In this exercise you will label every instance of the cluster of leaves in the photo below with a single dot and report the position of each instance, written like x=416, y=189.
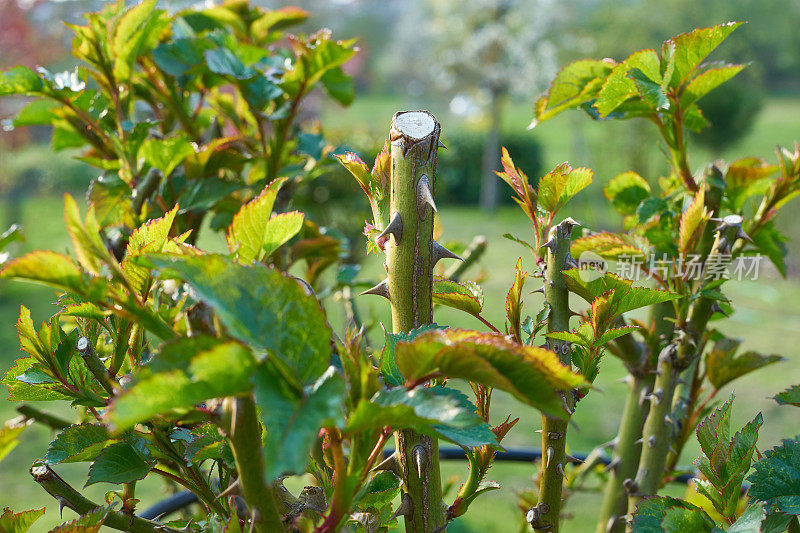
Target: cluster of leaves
x=774, y=490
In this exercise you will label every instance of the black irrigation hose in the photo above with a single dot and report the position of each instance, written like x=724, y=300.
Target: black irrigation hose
x=517, y=455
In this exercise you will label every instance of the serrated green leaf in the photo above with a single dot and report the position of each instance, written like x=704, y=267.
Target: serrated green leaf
x=724, y=366
x=435, y=411
x=690, y=49
x=11, y=522
x=389, y=369
x=681, y=520
x=121, y=462
x=136, y=32
x=380, y=491
x=294, y=417
x=20, y=391
x=20, y=80
x=770, y=242
x=576, y=84
x=261, y=307
x=706, y=82
x=166, y=154
x=280, y=229
x=693, y=221
x=532, y=374
x=750, y=520
x=464, y=296
x=206, y=442
x=247, y=234
x=223, y=370
x=651, y=92
x=626, y=191
x=560, y=184
x=776, y=478
x=110, y=197
x=626, y=296
x=790, y=396
x=339, y=86
x=44, y=266
x=651, y=511
x=611, y=246
x=618, y=87
x=80, y=442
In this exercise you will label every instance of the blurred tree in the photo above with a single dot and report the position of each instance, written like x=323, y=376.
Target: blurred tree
x=484, y=51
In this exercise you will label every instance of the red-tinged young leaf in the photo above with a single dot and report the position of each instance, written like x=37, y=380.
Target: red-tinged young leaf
x=514, y=302
x=723, y=365
x=519, y=182
x=747, y=177
x=790, y=396
x=706, y=82
x=11, y=522
x=611, y=246
x=91, y=522
x=136, y=32
x=693, y=221
x=46, y=267
x=465, y=296
x=247, y=233
x=533, y=375
x=688, y=50
x=358, y=169
x=618, y=87
x=560, y=184
x=89, y=247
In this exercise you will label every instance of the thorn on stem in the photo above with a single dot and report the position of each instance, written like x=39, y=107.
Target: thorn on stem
x=440, y=252
x=424, y=196
x=395, y=228
x=381, y=289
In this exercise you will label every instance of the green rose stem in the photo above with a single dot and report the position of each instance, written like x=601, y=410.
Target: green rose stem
x=545, y=516
x=69, y=497
x=659, y=429
x=627, y=445
x=245, y=439
x=411, y=254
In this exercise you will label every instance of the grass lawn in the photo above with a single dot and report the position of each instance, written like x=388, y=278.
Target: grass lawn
x=767, y=315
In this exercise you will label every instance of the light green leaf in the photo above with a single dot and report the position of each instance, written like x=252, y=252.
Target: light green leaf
x=280, y=229
x=626, y=191
x=137, y=32
x=293, y=417
x=37, y=113
x=560, y=184
x=20, y=80
x=44, y=266
x=651, y=511
x=465, y=296
x=222, y=370
x=433, y=411
x=576, y=84
x=618, y=87
x=380, y=491
x=611, y=246
x=750, y=520
x=19, y=391
x=261, y=307
x=681, y=520
x=691, y=49
x=339, y=86
x=776, y=478
x=166, y=154
x=121, y=462
x=532, y=374
x=11, y=522
x=9, y=435
x=247, y=234
x=80, y=442
x=90, y=522
x=706, y=82
x=693, y=221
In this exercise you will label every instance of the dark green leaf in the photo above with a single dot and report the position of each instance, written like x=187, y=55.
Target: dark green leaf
x=80, y=442
x=293, y=418
x=651, y=92
x=771, y=243
x=262, y=307
x=121, y=462
x=681, y=520
x=724, y=366
x=339, y=86
x=389, y=369
x=790, y=396
x=651, y=511
x=776, y=478
x=380, y=491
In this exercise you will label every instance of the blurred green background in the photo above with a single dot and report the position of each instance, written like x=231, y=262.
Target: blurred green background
x=478, y=67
